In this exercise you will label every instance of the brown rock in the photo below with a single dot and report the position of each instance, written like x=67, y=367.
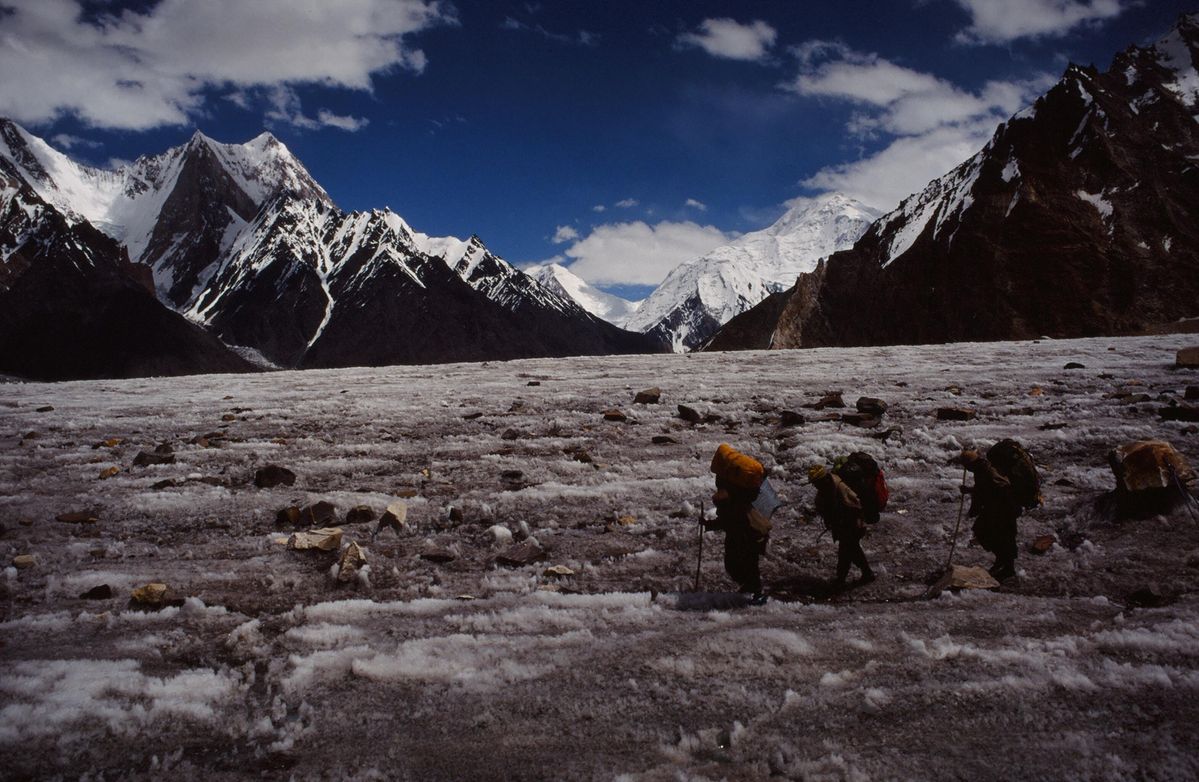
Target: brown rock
x=871, y=406
x=147, y=459
x=24, y=561
x=956, y=414
x=360, y=514
x=108, y=472
x=472, y=416
x=288, y=517
x=690, y=414
x=510, y=434
x=1149, y=465
x=149, y=596
x=111, y=442
x=863, y=420
x=887, y=434
x=273, y=475
x=557, y=571
x=395, y=517
x=45, y=408
x=228, y=417
x=1036, y=391
x=1074, y=365
x=650, y=396
x=78, y=517
x=319, y=514
x=831, y=399
x=791, y=418
x=352, y=560
x=1187, y=358
x=438, y=554
x=325, y=539
x=102, y=592
x=962, y=577
x=521, y=554
x=1042, y=544
x=661, y=439
x=615, y=415
x=533, y=383
x=163, y=448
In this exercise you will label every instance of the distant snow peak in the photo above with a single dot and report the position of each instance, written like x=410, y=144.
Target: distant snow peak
x=563, y=281
x=699, y=296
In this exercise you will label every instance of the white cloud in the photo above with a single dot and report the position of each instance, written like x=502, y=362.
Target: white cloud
x=732, y=40
x=599, y=208
x=138, y=70
x=637, y=253
x=700, y=205
x=564, y=233
x=67, y=141
x=627, y=203
x=582, y=37
x=931, y=124
x=285, y=108
x=1001, y=21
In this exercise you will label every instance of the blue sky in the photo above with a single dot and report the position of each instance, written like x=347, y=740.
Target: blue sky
x=621, y=137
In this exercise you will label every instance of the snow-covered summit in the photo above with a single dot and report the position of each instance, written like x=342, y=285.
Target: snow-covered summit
x=562, y=280
x=701, y=295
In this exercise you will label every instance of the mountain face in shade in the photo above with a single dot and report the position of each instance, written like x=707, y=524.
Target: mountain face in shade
x=243, y=240
x=697, y=297
x=1076, y=219
x=72, y=306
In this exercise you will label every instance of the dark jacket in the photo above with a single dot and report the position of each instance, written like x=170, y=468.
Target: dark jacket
x=992, y=493
x=840, y=508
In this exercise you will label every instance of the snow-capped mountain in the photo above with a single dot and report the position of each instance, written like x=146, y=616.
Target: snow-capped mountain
x=699, y=296
x=244, y=240
x=1076, y=219
x=563, y=281
x=72, y=306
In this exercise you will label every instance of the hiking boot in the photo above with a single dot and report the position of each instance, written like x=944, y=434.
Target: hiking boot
x=867, y=577
x=1003, y=571
x=759, y=599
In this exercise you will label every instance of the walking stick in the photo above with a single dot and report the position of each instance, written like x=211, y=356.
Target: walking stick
x=961, y=508
x=700, y=559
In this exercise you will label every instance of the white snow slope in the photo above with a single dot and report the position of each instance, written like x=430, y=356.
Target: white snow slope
x=270, y=668
x=733, y=278
x=603, y=305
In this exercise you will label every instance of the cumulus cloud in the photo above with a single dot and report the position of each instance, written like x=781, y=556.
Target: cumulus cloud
x=928, y=123
x=284, y=107
x=564, y=234
x=627, y=203
x=694, y=204
x=731, y=40
x=599, y=208
x=140, y=69
x=1001, y=21
x=637, y=253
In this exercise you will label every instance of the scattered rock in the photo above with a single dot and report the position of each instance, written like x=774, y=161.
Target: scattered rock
x=30, y=435
x=649, y=396
x=963, y=577
x=863, y=420
x=580, y=455
x=102, y=592
x=888, y=433
x=273, y=475
x=288, y=517
x=871, y=406
x=111, y=442
x=510, y=434
x=1148, y=465
x=500, y=534
x=472, y=416
x=1042, y=544
x=626, y=520
x=438, y=554
x=24, y=561
x=78, y=517
x=791, y=418
x=147, y=459
x=533, y=383
x=1192, y=393
x=360, y=514
x=45, y=408
x=352, y=560
x=109, y=472
x=1149, y=597
x=324, y=539
x=513, y=480
x=615, y=415
x=1188, y=413
x=168, y=483
x=456, y=515
x=149, y=596
x=955, y=390
x=318, y=514
x=557, y=571
x=521, y=554
x=228, y=417
x=395, y=517
x=1036, y=391
x=661, y=439
x=690, y=414
x=1074, y=365
x=1052, y=426
x=956, y=414
x=830, y=399
x=1063, y=482
x=164, y=448
x=1187, y=358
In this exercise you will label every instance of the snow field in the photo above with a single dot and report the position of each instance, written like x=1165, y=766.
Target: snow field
x=271, y=668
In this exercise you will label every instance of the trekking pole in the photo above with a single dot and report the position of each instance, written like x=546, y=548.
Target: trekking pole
x=699, y=561
x=961, y=508
x=1187, y=499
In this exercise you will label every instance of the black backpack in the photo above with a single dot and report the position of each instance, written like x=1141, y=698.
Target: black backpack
x=862, y=474
x=1011, y=461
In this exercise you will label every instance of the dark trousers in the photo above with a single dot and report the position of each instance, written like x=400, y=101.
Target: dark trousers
x=849, y=552
x=996, y=533
x=741, y=552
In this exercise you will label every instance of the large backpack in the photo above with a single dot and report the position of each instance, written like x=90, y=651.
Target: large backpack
x=862, y=474
x=1011, y=461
